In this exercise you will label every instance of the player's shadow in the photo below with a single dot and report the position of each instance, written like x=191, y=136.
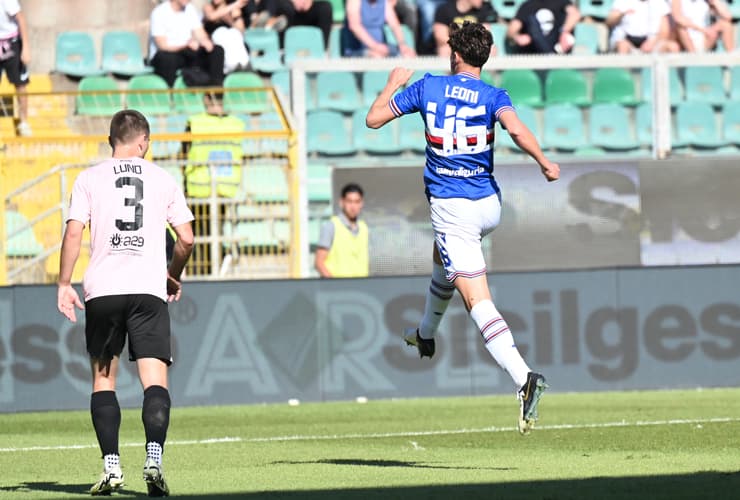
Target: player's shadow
x=385, y=463
x=54, y=487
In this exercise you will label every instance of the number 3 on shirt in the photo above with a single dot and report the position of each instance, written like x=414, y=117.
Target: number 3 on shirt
x=455, y=132
x=138, y=221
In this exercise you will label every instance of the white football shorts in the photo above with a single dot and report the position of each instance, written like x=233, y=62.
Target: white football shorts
x=459, y=224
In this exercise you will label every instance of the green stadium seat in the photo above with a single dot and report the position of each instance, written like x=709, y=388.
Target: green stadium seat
x=411, y=135
x=614, y=85
x=281, y=81
x=337, y=11
x=264, y=50
x=528, y=116
x=408, y=36
x=498, y=31
x=326, y=133
x=90, y=101
x=566, y=86
x=731, y=122
x=372, y=82
x=265, y=183
x=586, y=39
x=335, y=42
x=303, y=42
x=122, y=54
x=319, y=182
x=75, y=55
x=644, y=124
x=596, y=9
x=735, y=81
x=705, y=84
x=190, y=102
x=564, y=128
x=337, y=90
x=610, y=127
x=148, y=103
x=374, y=141
x=258, y=233
x=21, y=240
x=506, y=9
x=238, y=100
x=696, y=125
x=674, y=82
x=524, y=87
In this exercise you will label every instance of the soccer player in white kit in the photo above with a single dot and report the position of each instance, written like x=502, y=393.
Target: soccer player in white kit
x=459, y=112
x=127, y=201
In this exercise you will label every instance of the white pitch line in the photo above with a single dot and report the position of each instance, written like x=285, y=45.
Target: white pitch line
x=381, y=435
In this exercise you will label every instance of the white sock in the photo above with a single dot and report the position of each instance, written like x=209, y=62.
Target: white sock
x=111, y=462
x=438, y=297
x=154, y=451
x=499, y=341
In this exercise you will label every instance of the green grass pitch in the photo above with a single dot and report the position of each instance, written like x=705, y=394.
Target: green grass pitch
x=611, y=445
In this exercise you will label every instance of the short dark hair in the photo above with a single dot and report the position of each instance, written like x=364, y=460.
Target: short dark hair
x=472, y=41
x=127, y=125
x=352, y=188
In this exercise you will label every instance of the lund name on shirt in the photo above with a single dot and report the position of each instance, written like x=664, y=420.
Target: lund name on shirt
x=127, y=168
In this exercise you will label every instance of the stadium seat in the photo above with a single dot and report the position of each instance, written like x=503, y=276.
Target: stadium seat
x=374, y=141
x=524, y=87
x=408, y=36
x=610, y=127
x=586, y=39
x=734, y=6
x=98, y=96
x=566, y=86
x=696, y=125
x=614, y=85
x=506, y=9
x=148, y=103
x=337, y=11
x=564, y=128
x=326, y=134
x=705, y=84
x=644, y=124
x=122, y=54
x=487, y=77
x=735, y=81
x=303, y=42
x=23, y=242
x=319, y=182
x=674, y=82
x=337, y=90
x=528, y=116
x=75, y=55
x=264, y=183
x=411, y=135
x=498, y=31
x=245, y=101
x=189, y=100
x=281, y=81
x=731, y=122
x=595, y=9
x=335, y=42
x=372, y=82
x=264, y=50
x=258, y=233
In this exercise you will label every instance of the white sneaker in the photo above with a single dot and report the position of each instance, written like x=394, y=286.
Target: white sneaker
x=24, y=129
x=110, y=480
x=154, y=477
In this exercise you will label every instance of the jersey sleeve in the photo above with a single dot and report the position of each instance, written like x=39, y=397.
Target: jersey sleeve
x=409, y=100
x=177, y=211
x=79, y=203
x=326, y=235
x=502, y=103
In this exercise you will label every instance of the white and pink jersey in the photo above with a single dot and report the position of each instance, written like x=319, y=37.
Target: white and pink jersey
x=127, y=203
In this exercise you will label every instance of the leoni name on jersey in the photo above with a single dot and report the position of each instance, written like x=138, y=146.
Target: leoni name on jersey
x=461, y=93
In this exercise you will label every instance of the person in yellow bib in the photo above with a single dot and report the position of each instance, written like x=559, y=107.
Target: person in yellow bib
x=342, y=250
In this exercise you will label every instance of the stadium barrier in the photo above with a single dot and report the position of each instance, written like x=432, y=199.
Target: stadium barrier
x=255, y=236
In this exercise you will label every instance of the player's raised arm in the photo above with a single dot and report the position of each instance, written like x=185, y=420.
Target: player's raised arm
x=524, y=138
x=380, y=112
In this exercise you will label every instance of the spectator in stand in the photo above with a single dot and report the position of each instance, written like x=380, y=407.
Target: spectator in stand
x=15, y=54
x=459, y=11
x=317, y=13
x=179, y=41
x=363, y=34
x=640, y=25
x=700, y=23
x=222, y=20
x=268, y=14
x=427, y=9
x=543, y=27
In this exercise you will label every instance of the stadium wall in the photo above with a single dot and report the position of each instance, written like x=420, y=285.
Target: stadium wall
x=316, y=340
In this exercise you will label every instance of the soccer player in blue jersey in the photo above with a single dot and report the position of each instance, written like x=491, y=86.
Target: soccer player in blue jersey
x=459, y=112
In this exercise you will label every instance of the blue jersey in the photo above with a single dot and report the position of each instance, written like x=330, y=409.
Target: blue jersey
x=459, y=112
